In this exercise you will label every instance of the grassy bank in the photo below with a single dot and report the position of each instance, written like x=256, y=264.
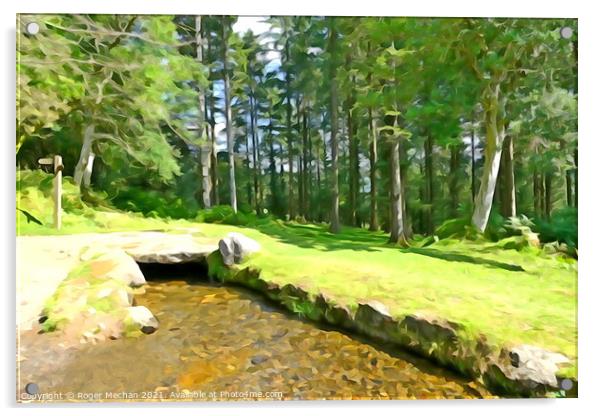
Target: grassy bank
x=510, y=297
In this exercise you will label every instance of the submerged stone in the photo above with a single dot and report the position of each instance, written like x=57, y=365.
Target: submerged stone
x=141, y=317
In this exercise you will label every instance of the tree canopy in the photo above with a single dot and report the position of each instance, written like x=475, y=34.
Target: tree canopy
x=390, y=123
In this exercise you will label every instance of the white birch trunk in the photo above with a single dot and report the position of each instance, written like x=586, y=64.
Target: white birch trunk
x=84, y=155
x=88, y=170
x=396, y=200
x=494, y=115
x=204, y=157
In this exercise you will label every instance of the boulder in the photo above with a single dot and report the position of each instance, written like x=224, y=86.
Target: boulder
x=116, y=295
x=166, y=248
x=142, y=318
x=115, y=264
x=126, y=268
x=235, y=247
x=534, y=364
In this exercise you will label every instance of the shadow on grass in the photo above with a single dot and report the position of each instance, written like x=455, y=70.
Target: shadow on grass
x=463, y=258
x=318, y=237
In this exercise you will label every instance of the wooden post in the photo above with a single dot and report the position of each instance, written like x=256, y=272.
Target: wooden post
x=58, y=190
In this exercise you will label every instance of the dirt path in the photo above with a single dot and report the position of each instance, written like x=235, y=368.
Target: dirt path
x=44, y=261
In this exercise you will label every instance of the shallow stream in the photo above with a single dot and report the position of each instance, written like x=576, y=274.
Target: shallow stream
x=226, y=343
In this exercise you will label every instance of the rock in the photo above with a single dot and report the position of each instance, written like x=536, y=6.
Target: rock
x=378, y=307
x=167, y=248
x=258, y=359
x=115, y=264
x=142, y=317
x=235, y=247
x=535, y=364
x=119, y=296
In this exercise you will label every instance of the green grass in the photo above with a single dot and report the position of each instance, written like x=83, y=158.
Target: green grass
x=511, y=297
x=475, y=284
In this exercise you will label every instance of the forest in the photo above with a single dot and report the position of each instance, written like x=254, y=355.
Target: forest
x=396, y=124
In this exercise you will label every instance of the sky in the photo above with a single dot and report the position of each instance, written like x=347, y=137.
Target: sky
x=255, y=23
x=258, y=26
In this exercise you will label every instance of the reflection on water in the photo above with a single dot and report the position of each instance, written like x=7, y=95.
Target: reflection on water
x=225, y=343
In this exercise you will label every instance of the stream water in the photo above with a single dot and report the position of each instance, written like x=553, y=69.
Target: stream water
x=225, y=343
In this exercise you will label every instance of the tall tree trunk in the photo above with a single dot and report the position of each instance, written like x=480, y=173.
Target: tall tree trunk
x=306, y=176
x=548, y=194
x=318, y=207
x=324, y=158
x=536, y=191
x=373, y=177
x=575, y=157
x=334, y=216
x=210, y=117
x=255, y=156
x=575, y=153
x=87, y=179
x=403, y=162
x=204, y=161
x=249, y=170
x=84, y=156
x=289, y=138
x=454, y=167
x=213, y=164
x=473, y=181
x=273, y=179
x=397, y=197
x=353, y=166
x=428, y=169
x=228, y=117
x=300, y=180
x=281, y=176
x=542, y=194
x=509, y=189
x=308, y=166
x=494, y=119
x=569, y=188
x=214, y=172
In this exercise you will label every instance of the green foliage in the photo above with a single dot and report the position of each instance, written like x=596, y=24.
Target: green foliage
x=127, y=87
x=34, y=195
x=561, y=227
x=215, y=214
x=224, y=214
x=88, y=212
x=154, y=203
x=456, y=228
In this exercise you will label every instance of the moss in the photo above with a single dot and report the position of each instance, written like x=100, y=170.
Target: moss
x=84, y=298
x=216, y=268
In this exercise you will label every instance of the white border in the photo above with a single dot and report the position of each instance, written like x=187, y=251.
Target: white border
x=590, y=288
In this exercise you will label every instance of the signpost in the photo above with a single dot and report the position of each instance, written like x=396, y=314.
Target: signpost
x=57, y=189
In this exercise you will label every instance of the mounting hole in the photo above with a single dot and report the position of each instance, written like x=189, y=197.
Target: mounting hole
x=566, y=384
x=566, y=32
x=32, y=388
x=32, y=28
